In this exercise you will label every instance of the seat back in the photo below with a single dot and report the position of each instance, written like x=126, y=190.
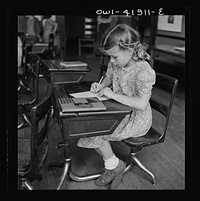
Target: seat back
x=51, y=46
x=30, y=97
x=168, y=85
x=34, y=74
x=40, y=118
x=24, y=51
x=104, y=60
x=49, y=52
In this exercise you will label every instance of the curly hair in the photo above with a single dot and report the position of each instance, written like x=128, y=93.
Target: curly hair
x=126, y=38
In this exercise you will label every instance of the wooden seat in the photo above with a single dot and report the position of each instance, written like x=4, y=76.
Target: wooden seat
x=33, y=145
x=29, y=98
x=155, y=135
x=23, y=68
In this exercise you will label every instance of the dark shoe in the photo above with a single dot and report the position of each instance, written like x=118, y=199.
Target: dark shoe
x=118, y=177
x=108, y=175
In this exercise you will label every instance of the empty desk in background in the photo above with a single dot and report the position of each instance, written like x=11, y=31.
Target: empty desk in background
x=30, y=40
x=167, y=51
x=39, y=48
x=57, y=74
x=84, y=124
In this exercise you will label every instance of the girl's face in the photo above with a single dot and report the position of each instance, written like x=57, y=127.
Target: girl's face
x=119, y=57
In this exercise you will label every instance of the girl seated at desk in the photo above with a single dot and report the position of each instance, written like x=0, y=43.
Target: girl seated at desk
x=131, y=78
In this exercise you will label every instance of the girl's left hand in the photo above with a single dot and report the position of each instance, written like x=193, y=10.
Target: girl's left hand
x=106, y=92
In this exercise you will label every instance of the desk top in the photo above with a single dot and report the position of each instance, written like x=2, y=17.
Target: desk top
x=168, y=49
x=38, y=49
x=112, y=107
x=54, y=65
x=30, y=40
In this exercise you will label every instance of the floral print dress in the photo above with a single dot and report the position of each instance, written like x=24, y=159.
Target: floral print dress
x=130, y=81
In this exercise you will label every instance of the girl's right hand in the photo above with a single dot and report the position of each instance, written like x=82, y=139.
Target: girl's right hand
x=96, y=87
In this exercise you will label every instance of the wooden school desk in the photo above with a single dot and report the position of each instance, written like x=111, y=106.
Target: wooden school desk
x=84, y=124
x=39, y=48
x=57, y=74
x=30, y=40
x=168, y=51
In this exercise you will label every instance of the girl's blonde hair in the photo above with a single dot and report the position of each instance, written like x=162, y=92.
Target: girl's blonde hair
x=126, y=38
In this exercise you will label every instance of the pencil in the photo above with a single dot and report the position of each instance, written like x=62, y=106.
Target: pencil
x=100, y=80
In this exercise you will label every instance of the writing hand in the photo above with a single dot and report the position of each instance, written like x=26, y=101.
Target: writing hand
x=96, y=87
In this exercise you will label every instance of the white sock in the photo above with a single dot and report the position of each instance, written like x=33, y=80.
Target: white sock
x=111, y=163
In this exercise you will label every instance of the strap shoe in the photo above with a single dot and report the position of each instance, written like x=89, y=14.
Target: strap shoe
x=108, y=175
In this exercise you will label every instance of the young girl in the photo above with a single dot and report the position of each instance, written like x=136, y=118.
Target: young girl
x=131, y=78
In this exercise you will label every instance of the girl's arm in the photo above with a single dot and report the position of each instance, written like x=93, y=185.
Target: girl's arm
x=139, y=102
x=106, y=82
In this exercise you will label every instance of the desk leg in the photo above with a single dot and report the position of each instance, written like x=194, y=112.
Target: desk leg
x=24, y=121
x=22, y=124
x=65, y=165
x=24, y=85
x=75, y=177
x=64, y=174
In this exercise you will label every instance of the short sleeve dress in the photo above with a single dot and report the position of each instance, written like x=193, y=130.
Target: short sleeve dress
x=130, y=81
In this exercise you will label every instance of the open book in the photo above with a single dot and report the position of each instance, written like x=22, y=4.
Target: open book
x=88, y=94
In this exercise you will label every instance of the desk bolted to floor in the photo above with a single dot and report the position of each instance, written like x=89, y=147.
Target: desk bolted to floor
x=167, y=51
x=84, y=124
x=57, y=74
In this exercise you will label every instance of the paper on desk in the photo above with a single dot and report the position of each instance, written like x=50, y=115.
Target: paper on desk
x=88, y=94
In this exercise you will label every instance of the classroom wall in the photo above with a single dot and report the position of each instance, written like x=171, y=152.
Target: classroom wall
x=169, y=41
x=171, y=37
x=22, y=23
x=125, y=20
x=180, y=35
x=74, y=26
x=176, y=39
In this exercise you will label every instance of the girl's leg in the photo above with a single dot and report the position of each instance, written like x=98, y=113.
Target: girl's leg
x=114, y=168
x=110, y=160
x=105, y=151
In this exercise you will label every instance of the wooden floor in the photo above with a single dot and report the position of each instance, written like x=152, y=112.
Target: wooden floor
x=165, y=160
